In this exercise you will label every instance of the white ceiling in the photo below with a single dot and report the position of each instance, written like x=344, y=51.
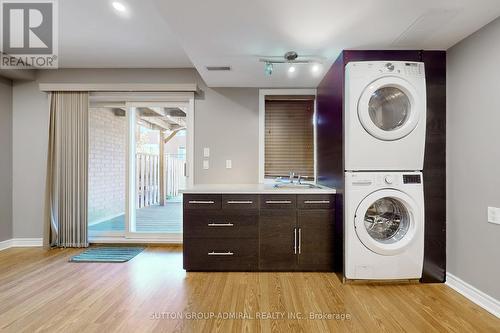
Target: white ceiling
x=235, y=32
x=183, y=33
x=92, y=35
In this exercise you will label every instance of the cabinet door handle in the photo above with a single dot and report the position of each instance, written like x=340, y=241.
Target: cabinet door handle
x=300, y=239
x=278, y=201
x=246, y=202
x=208, y=202
x=220, y=225
x=213, y=253
x=317, y=201
x=294, y=240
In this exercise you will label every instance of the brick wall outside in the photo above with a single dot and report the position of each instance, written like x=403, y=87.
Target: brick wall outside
x=107, y=160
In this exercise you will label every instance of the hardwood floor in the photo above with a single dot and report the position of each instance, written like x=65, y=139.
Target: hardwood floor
x=41, y=291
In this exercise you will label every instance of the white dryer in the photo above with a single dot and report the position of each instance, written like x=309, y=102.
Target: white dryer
x=384, y=115
x=384, y=225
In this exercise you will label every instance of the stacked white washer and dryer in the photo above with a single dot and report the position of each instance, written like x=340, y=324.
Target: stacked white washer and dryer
x=384, y=142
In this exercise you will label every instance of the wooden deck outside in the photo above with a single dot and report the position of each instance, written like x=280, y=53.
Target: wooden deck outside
x=156, y=218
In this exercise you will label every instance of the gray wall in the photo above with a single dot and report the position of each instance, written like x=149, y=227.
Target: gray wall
x=473, y=158
x=226, y=121
x=5, y=159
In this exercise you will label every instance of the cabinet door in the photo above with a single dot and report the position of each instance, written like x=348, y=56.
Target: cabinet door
x=316, y=239
x=277, y=240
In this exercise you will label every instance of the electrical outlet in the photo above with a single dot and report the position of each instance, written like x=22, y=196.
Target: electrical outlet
x=205, y=164
x=229, y=164
x=494, y=215
x=206, y=152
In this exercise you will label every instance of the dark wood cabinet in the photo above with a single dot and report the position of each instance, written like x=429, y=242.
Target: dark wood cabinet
x=267, y=232
x=277, y=239
x=316, y=240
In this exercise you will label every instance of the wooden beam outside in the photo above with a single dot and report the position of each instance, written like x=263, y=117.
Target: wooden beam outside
x=162, y=168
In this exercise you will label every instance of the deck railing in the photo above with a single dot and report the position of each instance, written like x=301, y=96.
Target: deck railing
x=148, y=178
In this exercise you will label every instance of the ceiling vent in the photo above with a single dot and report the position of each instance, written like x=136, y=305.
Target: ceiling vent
x=218, y=68
x=425, y=27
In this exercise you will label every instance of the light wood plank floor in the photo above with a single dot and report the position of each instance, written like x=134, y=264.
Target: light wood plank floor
x=41, y=291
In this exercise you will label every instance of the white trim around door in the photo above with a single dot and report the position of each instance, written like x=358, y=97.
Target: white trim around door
x=262, y=124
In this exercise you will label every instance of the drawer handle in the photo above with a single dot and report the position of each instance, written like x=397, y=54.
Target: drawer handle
x=246, y=202
x=317, y=201
x=220, y=225
x=278, y=202
x=213, y=253
x=209, y=202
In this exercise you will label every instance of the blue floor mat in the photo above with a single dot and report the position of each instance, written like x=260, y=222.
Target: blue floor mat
x=107, y=254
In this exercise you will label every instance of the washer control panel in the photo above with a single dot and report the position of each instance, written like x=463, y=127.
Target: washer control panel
x=412, y=179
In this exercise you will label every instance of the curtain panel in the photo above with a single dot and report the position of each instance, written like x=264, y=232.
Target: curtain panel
x=67, y=171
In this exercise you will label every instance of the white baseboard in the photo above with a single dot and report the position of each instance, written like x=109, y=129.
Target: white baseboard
x=5, y=244
x=475, y=295
x=21, y=242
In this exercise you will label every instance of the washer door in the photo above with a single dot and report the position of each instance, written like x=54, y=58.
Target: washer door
x=387, y=221
x=388, y=108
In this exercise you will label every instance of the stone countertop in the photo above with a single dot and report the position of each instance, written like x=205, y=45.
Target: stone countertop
x=253, y=189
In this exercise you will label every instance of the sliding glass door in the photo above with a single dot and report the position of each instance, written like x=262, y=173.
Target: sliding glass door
x=157, y=161
x=139, y=156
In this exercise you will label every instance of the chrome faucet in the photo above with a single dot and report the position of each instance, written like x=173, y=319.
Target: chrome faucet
x=291, y=176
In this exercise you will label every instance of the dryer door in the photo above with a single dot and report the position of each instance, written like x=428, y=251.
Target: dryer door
x=387, y=221
x=389, y=108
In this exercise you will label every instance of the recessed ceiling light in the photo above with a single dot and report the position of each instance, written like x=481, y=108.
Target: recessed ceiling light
x=315, y=68
x=118, y=6
x=291, y=69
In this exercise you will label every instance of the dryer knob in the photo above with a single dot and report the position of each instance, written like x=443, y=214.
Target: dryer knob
x=388, y=179
x=389, y=66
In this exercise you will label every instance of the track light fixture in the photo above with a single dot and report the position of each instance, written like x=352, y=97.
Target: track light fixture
x=291, y=58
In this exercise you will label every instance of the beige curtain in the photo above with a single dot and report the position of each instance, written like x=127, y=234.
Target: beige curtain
x=67, y=171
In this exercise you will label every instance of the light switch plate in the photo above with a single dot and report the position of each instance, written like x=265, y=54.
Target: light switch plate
x=206, y=152
x=494, y=215
x=205, y=164
x=229, y=164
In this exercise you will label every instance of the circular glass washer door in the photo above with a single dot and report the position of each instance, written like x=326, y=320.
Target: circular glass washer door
x=389, y=108
x=387, y=221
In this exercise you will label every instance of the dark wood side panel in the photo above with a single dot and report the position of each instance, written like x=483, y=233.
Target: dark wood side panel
x=330, y=145
x=435, y=168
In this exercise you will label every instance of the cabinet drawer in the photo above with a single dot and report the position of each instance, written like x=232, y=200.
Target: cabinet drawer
x=278, y=201
x=220, y=254
x=243, y=224
x=202, y=201
x=240, y=201
x=315, y=201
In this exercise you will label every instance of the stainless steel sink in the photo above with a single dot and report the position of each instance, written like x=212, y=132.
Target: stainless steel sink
x=295, y=185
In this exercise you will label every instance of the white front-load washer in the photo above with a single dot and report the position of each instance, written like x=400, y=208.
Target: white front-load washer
x=384, y=115
x=384, y=225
